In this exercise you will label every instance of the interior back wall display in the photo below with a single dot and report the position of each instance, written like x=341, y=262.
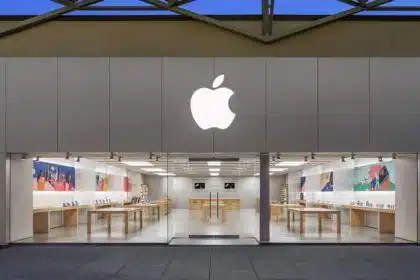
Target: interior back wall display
x=327, y=183
x=53, y=177
x=102, y=182
x=375, y=177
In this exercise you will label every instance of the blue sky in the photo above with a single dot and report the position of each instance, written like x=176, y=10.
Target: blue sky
x=215, y=7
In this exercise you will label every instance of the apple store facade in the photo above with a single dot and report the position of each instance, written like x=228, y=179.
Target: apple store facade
x=209, y=150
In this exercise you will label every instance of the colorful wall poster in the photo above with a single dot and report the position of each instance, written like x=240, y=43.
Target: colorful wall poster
x=102, y=182
x=53, y=177
x=302, y=184
x=374, y=177
x=127, y=184
x=327, y=184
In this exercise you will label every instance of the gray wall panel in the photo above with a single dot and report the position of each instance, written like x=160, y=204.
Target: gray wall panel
x=292, y=104
x=246, y=77
x=83, y=98
x=181, y=77
x=31, y=88
x=2, y=104
x=343, y=93
x=395, y=99
x=136, y=104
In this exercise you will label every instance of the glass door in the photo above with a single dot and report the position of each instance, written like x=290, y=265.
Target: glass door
x=214, y=200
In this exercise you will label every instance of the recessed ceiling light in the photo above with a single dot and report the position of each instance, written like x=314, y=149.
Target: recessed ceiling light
x=165, y=174
x=214, y=169
x=290, y=163
x=258, y=174
x=137, y=163
x=153, y=169
x=214, y=174
x=214, y=163
x=277, y=169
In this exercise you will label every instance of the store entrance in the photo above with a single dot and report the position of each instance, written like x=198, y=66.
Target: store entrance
x=214, y=203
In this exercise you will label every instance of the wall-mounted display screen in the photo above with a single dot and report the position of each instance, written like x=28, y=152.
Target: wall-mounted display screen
x=199, y=186
x=209, y=7
x=229, y=186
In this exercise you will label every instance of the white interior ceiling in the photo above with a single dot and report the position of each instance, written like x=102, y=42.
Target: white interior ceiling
x=179, y=164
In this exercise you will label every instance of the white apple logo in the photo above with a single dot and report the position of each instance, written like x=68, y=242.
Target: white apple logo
x=210, y=107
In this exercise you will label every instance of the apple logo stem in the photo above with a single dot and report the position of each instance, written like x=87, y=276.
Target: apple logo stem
x=210, y=107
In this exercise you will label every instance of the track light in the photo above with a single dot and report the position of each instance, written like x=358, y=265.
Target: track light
x=394, y=156
x=111, y=156
x=67, y=155
x=273, y=158
x=150, y=156
x=37, y=158
x=119, y=158
x=312, y=155
x=78, y=159
x=353, y=155
x=343, y=159
x=157, y=158
x=306, y=158
x=380, y=159
x=278, y=155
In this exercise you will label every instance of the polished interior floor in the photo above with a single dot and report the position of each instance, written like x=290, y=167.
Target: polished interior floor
x=130, y=262
x=177, y=227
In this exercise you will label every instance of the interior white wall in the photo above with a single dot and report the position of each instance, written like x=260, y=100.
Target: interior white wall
x=293, y=184
x=406, y=173
x=180, y=189
x=21, y=225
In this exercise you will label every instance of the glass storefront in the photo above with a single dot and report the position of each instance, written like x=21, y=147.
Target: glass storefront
x=180, y=198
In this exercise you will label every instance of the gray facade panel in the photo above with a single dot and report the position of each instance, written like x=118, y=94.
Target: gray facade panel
x=246, y=77
x=292, y=104
x=181, y=77
x=395, y=100
x=135, y=124
x=31, y=90
x=343, y=97
x=2, y=104
x=83, y=99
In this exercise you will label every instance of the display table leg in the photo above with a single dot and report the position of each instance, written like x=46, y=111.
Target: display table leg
x=301, y=222
x=357, y=217
x=158, y=213
x=89, y=223
x=320, y=215
x=338, y=222
x=126, y=222
x=386, y=222
x=135, y=216
x=70, y=217
x=141, y=218
x=288, y=219
x=109, y=216
x=41, y=222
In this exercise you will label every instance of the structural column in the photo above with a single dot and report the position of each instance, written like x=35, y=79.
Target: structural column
x=264, y=197
x=4, y=200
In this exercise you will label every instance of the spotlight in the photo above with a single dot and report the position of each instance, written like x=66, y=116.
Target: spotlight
x=24, y=156
x=111, y=156
x=306, y=158
x=37, y=158
x=119, y=158
x=273, y=158
x=394, y=156
x=312, y=155
x=278, y=155
x=353, y=155
x=78, y=159
x=157, y=158
x=67, y=155
x=343, y=159
x=150, y=156
x=380, y=159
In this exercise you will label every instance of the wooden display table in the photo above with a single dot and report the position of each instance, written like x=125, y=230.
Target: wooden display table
x=276, y=209
x=301, y=202
x=41, y=217
x=385, y=217
x=230, y=203
x=207, y=208
x=320, y=211
x=164, y=206
x=147, y=208
x=108, y=212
